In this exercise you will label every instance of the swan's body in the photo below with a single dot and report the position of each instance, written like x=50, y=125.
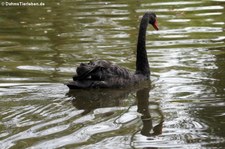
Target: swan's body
x=104, y=74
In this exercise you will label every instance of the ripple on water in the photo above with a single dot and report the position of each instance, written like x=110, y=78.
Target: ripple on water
x=41, y=46
x=172, y=3
x=80, y=135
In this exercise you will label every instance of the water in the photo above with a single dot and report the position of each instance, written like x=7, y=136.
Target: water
x=40, y=46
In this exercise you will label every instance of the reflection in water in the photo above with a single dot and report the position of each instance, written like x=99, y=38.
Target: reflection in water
x=40, y=45
x=143, y=108
x=89, y=100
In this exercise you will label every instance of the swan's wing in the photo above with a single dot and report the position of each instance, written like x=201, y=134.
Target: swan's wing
x=101, y=71
x=93, y=71
x=119, y=72
x=86, y=74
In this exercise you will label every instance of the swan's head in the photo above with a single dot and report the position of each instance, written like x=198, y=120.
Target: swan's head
x=153, y=20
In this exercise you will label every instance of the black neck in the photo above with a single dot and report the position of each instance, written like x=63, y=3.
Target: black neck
x=142, y=66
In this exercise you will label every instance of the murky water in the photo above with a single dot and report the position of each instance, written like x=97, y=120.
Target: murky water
x=40, y=46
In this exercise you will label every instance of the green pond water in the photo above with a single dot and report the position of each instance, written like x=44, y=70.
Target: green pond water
x=41, y=46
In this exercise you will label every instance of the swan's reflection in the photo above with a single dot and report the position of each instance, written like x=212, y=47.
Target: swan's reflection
x=91, y=99
x=88, y=100
x=143, y=108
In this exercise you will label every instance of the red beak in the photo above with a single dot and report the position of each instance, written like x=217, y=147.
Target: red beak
x=155, y=25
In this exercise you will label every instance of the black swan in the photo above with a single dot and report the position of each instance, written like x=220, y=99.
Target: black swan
x=104, y=74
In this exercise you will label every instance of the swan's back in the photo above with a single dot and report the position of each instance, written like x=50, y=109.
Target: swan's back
x=100, y=70
x=101, y=74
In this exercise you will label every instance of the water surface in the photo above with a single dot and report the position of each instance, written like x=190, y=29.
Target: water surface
x=184, y=107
